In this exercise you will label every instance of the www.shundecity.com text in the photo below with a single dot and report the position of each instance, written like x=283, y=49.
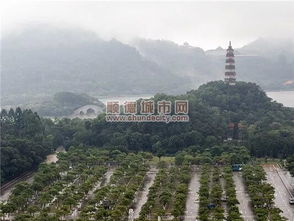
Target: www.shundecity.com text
x=147, y=118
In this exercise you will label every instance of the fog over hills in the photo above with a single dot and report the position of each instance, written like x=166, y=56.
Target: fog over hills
x=47, y=60
x=268, y=62
x=41, y=61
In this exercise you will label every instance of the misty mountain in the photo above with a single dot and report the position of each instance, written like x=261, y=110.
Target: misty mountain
x=43, y=60
x=182, y=60
x=270, y=48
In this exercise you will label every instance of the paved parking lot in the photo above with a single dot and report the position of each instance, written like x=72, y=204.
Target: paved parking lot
x=192, y=203
x=243, y=198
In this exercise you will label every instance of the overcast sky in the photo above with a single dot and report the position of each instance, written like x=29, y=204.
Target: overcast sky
x=203, y=24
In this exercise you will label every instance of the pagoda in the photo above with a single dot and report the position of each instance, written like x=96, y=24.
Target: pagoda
x=230, y=73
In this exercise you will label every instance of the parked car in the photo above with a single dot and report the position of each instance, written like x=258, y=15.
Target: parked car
x=224, y=199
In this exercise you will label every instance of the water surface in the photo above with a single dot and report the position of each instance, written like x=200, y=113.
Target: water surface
x=284, y=97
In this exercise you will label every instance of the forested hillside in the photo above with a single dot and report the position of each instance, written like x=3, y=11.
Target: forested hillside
x=267, y=127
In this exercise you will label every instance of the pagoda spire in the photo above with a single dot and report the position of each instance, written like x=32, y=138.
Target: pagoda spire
x=230, y=73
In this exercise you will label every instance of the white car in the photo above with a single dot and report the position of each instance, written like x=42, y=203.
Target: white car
x=291, y=200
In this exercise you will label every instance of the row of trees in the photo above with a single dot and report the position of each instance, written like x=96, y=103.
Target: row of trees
x=232, y=202
x=122, y=191
x=204, y=193
x=58, y=188
x=215, y=196
x=261, y=194
x=211, y=194
x=112, y=201
x=168, y=194
x=225, y=154
x=290, y=164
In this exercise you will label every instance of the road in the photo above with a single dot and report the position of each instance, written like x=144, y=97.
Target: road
x=7, y=187
x=276, y=177
x=192, y=203
x=243, y=198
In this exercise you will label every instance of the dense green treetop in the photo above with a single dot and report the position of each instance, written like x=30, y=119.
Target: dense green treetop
x=24, y=143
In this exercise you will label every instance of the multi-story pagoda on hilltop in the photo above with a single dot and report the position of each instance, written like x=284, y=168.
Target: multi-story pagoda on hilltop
x=230, y=73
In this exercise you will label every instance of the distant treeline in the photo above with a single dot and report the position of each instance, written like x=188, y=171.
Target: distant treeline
x=24, y=143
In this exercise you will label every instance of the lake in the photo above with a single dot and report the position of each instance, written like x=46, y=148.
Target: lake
x=284, y=97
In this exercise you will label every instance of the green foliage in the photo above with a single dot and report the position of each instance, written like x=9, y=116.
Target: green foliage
x=267, y=127
x=290, y=164
x=58, y=188
x=224, y=154
x=261, y=194
x=24, y=143
x=230, y=189
x=27, y=139
x=216, y=195
x=203, y=214
x=267, y=130
x=168, y=193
